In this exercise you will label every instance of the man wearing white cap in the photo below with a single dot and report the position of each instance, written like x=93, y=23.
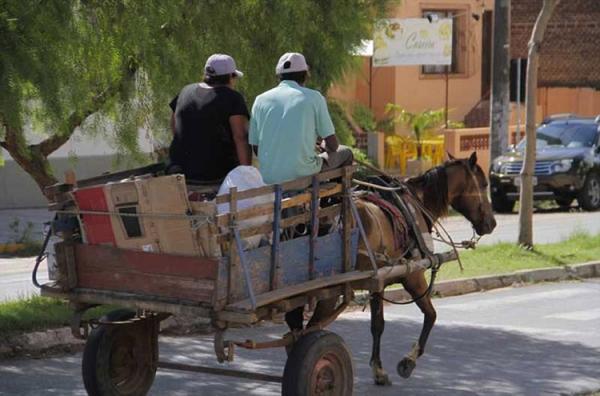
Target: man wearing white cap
x=286, y=123
x=210, y=124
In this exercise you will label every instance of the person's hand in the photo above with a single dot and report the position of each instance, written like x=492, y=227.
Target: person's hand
x=320, y=145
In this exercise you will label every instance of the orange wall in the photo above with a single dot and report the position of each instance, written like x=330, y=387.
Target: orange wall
x=407, y=86
x=580, y=101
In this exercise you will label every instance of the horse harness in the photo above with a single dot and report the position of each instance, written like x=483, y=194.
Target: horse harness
x=408, y=220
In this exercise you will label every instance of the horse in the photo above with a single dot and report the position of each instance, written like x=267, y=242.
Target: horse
x=458, y=183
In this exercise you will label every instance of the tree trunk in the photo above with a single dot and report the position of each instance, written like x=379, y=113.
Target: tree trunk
x=527, y=172
x=500, y=100
x=31, y=159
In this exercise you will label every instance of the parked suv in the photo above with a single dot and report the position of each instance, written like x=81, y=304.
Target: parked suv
x=567, y=165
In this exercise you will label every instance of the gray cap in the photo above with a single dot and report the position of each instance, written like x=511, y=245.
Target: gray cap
x=221, y=64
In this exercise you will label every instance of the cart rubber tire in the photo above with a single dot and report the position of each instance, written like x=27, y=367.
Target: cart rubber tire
x=121, y=359
x=589, y=196
x=320, y=364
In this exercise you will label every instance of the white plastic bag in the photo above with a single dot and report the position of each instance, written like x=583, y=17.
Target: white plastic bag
x=245, y=178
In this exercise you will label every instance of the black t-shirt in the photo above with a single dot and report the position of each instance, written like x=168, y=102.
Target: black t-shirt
x=203, y=143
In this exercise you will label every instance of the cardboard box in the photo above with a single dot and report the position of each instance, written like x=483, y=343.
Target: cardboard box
x=162, y=224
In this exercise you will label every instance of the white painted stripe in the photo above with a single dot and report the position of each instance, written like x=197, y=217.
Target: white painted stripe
x=588, y=314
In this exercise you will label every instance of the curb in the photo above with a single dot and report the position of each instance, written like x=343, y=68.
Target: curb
x=459, y=287
x=39, y=342
x=47, y=341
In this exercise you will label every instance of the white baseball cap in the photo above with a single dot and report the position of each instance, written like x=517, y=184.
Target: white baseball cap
x=221, y=64
x=291, y=62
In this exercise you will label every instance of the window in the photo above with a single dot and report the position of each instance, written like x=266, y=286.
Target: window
x=130, y=223
x=459, y=26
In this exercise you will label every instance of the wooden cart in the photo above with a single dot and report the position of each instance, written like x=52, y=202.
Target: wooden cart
x=239, y=287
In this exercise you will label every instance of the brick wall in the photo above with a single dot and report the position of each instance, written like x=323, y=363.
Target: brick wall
x=570, y=53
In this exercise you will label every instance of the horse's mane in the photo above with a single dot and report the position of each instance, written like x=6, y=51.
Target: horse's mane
x=434, y=185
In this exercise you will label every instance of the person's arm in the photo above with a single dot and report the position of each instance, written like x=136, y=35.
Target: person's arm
x=325, y=128
x=239, y=129
x=331, y=143
x=253, y=132
x=173, y=106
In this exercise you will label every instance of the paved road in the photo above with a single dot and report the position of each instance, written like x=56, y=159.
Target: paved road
x=535, y=340
x=548, y=226
x=15, y=277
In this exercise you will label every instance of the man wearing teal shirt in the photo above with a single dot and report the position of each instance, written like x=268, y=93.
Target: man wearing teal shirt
x=286, y=123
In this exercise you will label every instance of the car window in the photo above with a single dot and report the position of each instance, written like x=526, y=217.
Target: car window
x=570, y=135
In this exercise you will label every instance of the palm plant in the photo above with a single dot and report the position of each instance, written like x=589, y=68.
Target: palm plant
x=421, y=124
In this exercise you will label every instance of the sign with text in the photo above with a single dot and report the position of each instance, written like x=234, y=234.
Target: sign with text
x=413, y=41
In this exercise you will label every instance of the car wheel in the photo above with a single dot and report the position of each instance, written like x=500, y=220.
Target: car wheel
x=589, y=196
x=501, y=204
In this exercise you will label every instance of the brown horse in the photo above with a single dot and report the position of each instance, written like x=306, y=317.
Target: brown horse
x=459, y=183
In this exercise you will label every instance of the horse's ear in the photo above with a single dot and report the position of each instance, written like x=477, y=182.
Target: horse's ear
x=450, y=156
x=473, y=159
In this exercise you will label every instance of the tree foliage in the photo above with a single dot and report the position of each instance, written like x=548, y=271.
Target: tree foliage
x=64, y=60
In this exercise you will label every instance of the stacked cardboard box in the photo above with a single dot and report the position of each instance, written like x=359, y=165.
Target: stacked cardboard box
x=153, y=214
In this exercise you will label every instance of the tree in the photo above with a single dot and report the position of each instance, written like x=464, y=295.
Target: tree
x=421, y=124
x=123, y=61
x=527, y=172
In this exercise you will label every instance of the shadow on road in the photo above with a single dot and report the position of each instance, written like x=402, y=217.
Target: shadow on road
x=460, y=360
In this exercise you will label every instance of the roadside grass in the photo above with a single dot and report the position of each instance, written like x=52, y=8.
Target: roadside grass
x=38, y=313
x=26, y=249
x=508, y=257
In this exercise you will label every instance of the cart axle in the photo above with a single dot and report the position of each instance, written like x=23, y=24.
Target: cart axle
x=220, y=371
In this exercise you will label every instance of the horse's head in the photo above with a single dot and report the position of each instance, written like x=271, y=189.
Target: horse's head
x=467, y=193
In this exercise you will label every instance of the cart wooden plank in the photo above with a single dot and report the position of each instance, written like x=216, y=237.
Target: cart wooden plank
x=131, y=300
x=109, y=268
x=304, y=287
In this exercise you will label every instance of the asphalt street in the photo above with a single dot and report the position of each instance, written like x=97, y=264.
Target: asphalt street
x=534, y=340
x=15, y=277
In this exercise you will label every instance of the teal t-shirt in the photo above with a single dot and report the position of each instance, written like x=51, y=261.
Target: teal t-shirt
x=285, y=124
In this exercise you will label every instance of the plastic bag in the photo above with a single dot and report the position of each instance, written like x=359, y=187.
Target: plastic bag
x=245, y=178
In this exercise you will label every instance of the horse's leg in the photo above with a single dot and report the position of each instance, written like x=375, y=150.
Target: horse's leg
x=323, y=310
x=415, y=284
x=295, y=318
x=377, y=326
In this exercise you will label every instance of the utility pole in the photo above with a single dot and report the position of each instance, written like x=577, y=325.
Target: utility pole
x=500, y=99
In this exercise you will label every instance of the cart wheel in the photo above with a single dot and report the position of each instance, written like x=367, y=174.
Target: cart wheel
x=319, y=364
x=121, y=359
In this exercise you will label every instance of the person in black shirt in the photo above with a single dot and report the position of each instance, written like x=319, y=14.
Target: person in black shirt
x=210, y=124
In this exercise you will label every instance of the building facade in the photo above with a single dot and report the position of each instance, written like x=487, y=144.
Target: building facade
x=569, y=75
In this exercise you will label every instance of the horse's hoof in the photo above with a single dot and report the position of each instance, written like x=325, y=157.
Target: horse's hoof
x=405, y=367
x=382, y=380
